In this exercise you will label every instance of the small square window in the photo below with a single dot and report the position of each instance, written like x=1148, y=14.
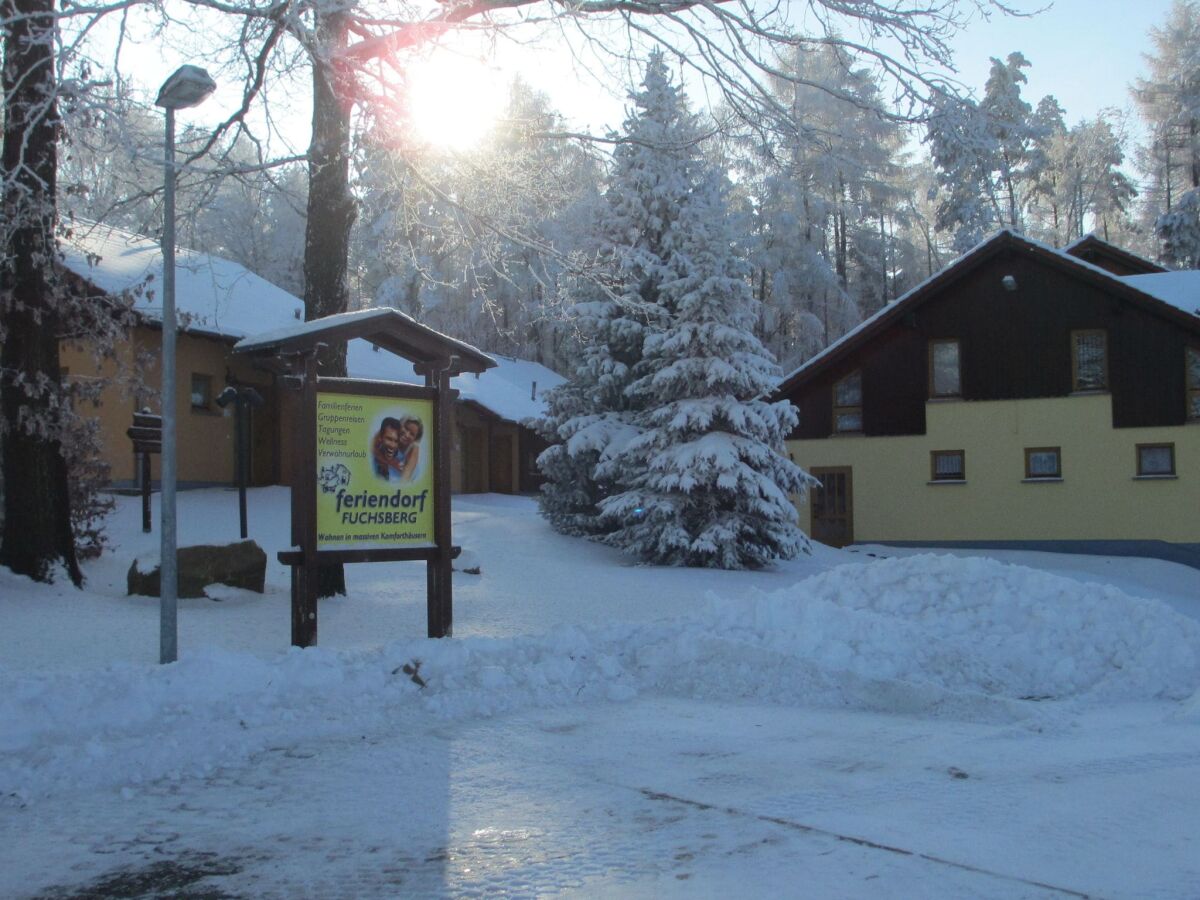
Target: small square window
x=944, y=380
x=847, y=404
x=1089, y=360
x=1193, y=383
x=1155, y=459
x=1043, y=462
x=201, y=391
x=948, y=465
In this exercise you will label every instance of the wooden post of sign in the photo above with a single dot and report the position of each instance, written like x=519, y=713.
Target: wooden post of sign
x=145, y=491
x=146, y=435
x=438, y=570
x=304, y=511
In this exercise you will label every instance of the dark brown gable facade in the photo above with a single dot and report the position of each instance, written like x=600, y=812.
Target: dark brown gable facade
x=1014, y=307
x=1111, y=258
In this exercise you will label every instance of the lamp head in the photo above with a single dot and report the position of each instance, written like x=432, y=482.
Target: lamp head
x=227, y=396
x=187, y=86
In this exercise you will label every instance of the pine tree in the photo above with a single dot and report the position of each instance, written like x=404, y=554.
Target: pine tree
x=588, y=416
x=1170, y=103
x=592, y=415
x=990, y=156
x=1179, y=231
x=704, y=483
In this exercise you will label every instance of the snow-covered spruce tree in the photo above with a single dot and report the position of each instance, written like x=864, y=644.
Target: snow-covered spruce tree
x=704, y=484
x=589, y=417
x=1179, y=231
x=592, y=415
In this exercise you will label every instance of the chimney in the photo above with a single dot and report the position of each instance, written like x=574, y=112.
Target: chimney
x=533, y=393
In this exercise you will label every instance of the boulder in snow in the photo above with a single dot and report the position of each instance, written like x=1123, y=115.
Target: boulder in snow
x=240, y=565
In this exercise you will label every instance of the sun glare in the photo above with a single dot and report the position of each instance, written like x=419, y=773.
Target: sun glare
x=453, y=100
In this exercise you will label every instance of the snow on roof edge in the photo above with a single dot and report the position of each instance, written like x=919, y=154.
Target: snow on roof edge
x=213, y=295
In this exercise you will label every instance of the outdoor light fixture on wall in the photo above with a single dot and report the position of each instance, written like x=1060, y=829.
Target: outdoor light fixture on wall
x=186, y=87
x=1009, y=282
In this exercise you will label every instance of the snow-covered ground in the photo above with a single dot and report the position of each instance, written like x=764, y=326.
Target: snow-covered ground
x=844, y=725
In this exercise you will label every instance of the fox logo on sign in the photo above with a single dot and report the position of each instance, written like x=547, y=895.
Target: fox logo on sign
x=334, y=476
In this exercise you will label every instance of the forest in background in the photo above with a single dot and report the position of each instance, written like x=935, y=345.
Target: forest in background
x=843, y=205
x=856, y=170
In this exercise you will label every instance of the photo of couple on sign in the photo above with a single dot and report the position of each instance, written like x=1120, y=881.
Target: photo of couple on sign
x=396, y=448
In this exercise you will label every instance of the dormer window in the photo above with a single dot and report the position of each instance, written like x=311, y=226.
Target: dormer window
x=944, y=380
x=847, y=404
x=1089, y=360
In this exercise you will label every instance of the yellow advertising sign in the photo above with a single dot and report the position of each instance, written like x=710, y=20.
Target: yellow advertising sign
x=375, y=471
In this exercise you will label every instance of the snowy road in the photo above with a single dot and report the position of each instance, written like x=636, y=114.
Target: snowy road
x=650, y=798
x=927, y=726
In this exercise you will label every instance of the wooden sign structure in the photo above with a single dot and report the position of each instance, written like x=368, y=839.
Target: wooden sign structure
x=351, y=500
x=146, y=435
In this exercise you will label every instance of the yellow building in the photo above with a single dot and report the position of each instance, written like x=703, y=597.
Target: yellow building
x=1022, y=397
x=217, y=302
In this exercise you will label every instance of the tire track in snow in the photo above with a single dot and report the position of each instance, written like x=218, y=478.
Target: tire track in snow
x=863, y=842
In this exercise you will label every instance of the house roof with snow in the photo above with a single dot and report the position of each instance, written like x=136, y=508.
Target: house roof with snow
x=1117, y=260
x=513, y=391
x=1157, y=293
x=1180, y=289
x=213, y=296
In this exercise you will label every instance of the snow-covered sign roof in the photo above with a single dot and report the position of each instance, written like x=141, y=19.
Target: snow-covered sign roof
x=383, y=327
x=1132, y=287
x=212, y=295
x=514, y=390
x=1180, y=289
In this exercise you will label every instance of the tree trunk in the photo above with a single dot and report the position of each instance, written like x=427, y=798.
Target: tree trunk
x=37, y=532
x=839, y=234
x=331, y=214
x=1193, y=129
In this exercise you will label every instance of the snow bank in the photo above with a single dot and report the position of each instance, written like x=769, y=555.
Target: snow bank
x=933, y=635
x=975, y=626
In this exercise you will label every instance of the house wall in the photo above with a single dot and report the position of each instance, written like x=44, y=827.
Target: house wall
x=204, y=437
x=530, y=447
x=1098, y=498
x=1013, y=345
x=485, y=453
x=117, y=403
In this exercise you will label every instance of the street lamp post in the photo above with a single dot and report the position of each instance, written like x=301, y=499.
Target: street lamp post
x=187, y=87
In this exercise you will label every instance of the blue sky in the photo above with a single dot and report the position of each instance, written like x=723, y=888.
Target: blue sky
x=1084, y=52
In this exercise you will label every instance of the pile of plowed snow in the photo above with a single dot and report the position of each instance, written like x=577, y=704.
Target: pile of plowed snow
x=976, y=626
x=927, y=635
